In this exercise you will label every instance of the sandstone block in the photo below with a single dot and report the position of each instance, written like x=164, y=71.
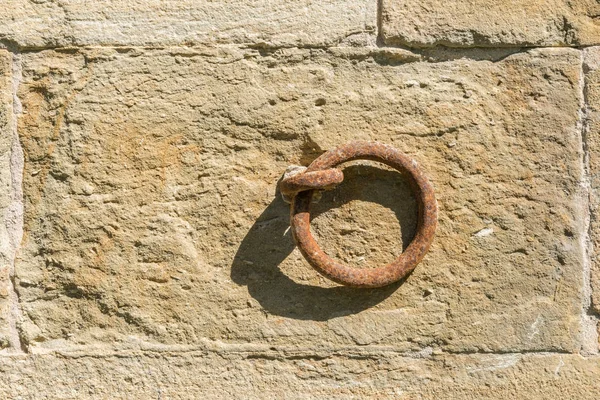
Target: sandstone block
x=268, y=374
x=41, y=23
x=423, y=23
x=152, y=214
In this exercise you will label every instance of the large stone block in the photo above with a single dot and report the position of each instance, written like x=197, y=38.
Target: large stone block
x=269, y=375
x=490, y=23
x=41, y=23
x=152, y=213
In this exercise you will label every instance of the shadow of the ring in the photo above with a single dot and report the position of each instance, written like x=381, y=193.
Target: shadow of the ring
x=269, y=242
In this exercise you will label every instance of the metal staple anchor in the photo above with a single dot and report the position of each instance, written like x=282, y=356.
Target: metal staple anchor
x=296, y=179
x=299, y=185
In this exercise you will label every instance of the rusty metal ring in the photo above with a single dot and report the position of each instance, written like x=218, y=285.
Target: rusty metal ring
x=368, y=277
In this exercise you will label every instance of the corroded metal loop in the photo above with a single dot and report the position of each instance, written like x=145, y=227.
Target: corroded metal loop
x=373, y=277
x=298, y=179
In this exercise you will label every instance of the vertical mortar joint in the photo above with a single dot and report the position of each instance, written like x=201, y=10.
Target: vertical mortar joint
x=589, y=319
x=14, y=214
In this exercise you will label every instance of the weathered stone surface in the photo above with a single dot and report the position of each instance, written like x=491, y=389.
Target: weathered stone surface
x=6, y=190
x=490, y=23
x=151, y=212
x=42, y=23
x=268, y=374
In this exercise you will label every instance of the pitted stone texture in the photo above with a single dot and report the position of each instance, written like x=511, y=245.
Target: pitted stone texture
x=500, y=23
x=270, y=375
x=6, y=192
x=151, y=212
x=43, y=23
x=592, y=126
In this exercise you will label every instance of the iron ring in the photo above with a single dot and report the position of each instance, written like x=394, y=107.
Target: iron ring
x=413, y=254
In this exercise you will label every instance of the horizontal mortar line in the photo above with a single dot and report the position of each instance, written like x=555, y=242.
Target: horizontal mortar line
x=267, y=351
x=431, y=56
x=500, y=47
x=263, y=46
x=300, y=356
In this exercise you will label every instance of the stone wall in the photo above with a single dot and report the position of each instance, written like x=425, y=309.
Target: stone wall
x=145, y=251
